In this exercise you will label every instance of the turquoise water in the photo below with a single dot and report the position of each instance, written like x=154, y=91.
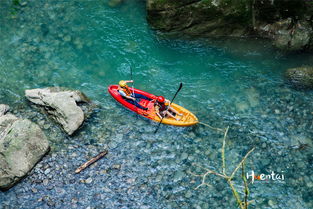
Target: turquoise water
x=88, y=45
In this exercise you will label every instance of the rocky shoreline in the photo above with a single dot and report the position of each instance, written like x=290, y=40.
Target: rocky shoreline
x=23, y=143
x=288, y=24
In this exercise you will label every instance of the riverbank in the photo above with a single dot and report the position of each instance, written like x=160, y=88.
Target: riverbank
x=287, y=24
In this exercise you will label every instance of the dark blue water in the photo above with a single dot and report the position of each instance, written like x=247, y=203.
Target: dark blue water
x=88, y=45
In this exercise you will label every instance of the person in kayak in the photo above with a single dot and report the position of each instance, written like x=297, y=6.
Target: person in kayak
x=131, y=97
x=163, y=109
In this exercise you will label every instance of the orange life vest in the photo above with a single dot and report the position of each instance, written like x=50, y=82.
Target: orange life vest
x=126, y=90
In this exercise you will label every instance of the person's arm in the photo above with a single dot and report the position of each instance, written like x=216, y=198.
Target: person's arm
x=130, y=81
x=158, y=114
x=157, y=111
x=129, y=97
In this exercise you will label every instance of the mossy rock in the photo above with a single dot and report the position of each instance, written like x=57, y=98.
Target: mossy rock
x=301, y=77
x=205, y=18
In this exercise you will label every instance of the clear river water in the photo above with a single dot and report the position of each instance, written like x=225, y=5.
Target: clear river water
x=88, y=45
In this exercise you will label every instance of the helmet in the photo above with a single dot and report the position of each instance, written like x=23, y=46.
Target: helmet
x=122, y=83
x=161, y=99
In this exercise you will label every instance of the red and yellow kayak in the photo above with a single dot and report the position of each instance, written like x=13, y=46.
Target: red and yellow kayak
x=187, y=118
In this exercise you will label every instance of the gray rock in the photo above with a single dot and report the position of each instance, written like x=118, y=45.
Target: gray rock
x=45, y=182
x=22, y=145
x=116, y=166
x=62, y=104
x=289, y=35
x=293, y=38
x=3, y=109
x=188, y=194
x=301, y=77
x=88, y=181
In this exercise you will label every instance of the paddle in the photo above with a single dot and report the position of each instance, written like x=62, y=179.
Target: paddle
x=180, y=86
x=131, y=78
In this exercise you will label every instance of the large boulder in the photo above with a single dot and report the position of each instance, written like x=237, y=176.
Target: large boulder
x=199, y=18
x=62, y=104
x=288, y=35
x=22, y=145
x=301, y=77
x=288, y=23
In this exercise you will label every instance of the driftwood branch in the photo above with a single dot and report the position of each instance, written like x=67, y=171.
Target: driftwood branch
x=91, y=161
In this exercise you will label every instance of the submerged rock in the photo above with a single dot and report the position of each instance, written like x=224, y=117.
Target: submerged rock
x=22, y=145
x=115, y=3
x=301, y=77
x=62, y=104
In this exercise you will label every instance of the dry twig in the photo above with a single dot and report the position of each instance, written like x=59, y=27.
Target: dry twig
x=243, y=204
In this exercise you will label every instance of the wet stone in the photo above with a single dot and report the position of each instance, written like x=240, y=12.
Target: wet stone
x=47, y=171
x=45, y=182
x=34, y=190
x=67, y=38
x=188, y=194
x=116, y=166
x=178, y=176
x=88, y=181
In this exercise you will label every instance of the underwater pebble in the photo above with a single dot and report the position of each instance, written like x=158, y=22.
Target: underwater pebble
x=116, y=166
x=88, y=181
x=263, y=145
x=45, y=182
x=46, y=126
x=271, y=203
x=277, y=111
x=47, y=171
x=188, y=194
x=178, y=176
x=310, y=184
x=67, y=38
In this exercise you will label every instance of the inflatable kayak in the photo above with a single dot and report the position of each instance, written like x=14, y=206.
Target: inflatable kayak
x=187, y=118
